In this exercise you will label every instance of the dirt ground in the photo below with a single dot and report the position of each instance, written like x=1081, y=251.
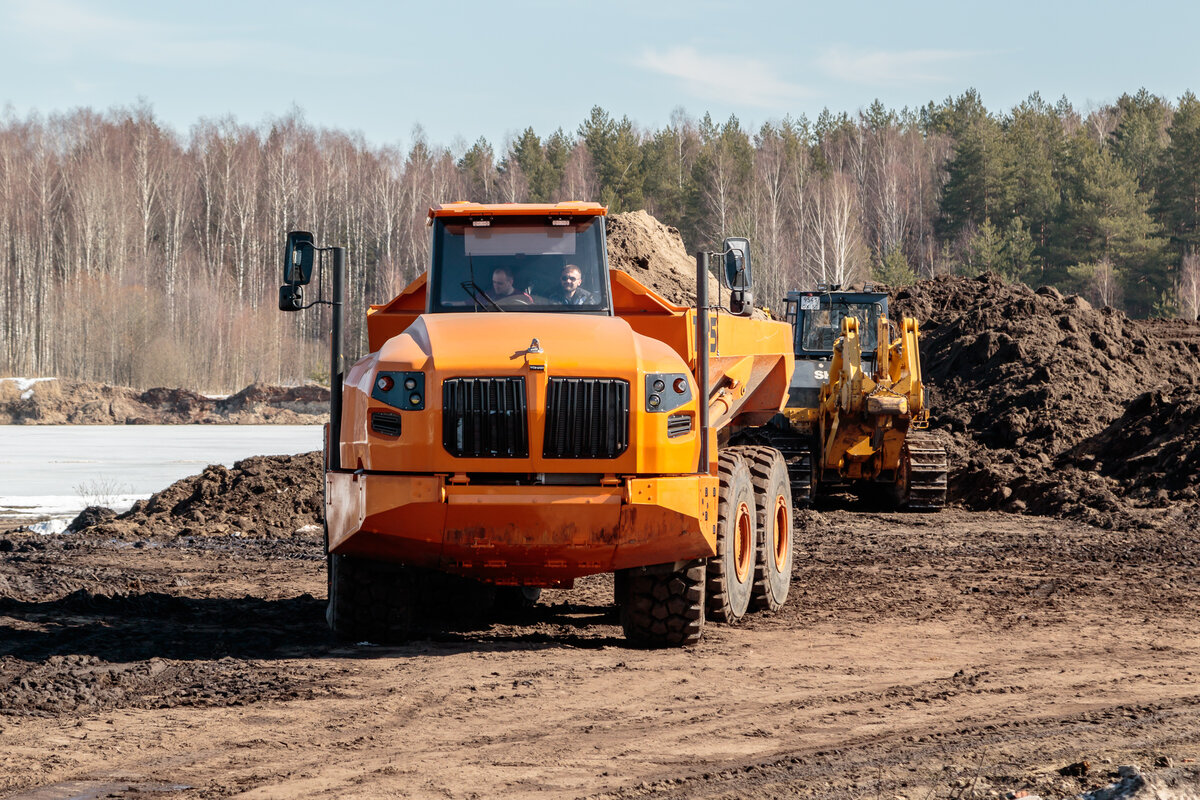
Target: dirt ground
x=1040, y=638
x=960, y=654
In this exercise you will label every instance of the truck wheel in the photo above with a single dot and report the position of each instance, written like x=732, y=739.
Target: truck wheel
x=517, y=598
x=369, y=600
x=731, y=570
x=773, y=507
x=661, y=605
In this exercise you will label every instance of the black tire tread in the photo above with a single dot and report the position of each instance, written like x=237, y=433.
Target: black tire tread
x=719, y=583
x=662, y=606
x=764, y=461
x=369, y=600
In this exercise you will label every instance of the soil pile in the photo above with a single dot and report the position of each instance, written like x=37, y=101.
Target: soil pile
x=56, y=402
x=263, y=496
x=1037, y=392
x=655, y=255
x=1152, y=450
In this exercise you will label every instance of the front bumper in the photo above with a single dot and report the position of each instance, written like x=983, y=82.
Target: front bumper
x=529, y=535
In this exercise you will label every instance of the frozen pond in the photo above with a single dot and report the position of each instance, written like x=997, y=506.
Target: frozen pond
x=57, y=470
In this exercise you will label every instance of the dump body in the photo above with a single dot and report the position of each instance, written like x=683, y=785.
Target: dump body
x=517, y=442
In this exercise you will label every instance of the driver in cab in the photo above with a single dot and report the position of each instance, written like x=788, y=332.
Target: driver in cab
x=502, y=287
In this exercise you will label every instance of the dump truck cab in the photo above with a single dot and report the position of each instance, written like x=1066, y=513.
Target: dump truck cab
x=549, y=259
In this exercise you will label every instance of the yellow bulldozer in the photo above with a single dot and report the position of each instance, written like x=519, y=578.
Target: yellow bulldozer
x=856, y=415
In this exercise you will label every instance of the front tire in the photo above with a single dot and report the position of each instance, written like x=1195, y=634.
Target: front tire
x=369, y=600
x=773, y=507
x=662, y=605
x=731, y=570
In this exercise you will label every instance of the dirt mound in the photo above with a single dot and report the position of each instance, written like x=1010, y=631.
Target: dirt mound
x=1152, y=450
x=1022, y=379
x=655, y=255
x=55, y=402
x=263, y=496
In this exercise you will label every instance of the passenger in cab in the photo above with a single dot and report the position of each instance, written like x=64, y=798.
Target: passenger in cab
x=571, y=291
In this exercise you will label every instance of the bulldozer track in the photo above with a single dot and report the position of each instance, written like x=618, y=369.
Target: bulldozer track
x=928, y=470
x=797, y=454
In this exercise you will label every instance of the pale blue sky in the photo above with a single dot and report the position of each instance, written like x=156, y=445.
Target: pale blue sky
x=467, y=69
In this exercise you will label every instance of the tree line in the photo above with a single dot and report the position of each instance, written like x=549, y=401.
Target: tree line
x=137, y=255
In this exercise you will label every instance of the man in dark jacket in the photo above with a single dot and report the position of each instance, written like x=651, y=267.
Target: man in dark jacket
x=571, y=291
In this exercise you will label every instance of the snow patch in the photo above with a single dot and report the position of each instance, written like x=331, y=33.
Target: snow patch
x=25, y=385
x=50, y=526
x=59, y=507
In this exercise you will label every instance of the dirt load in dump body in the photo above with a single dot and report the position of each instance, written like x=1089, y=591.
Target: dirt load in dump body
x=655, y=255
x=1026, y=383
x=62, y=402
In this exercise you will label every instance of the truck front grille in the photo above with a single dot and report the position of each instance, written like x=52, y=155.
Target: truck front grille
x=586, y=418
x=485, y=418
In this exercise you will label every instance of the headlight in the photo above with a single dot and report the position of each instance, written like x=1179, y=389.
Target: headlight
x=403, y=390
x=667, y=391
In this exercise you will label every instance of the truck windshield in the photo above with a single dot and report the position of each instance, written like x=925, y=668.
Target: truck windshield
x=823, y=326
x=519, y=264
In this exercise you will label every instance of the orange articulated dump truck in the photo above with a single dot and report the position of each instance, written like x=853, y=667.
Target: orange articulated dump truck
x=527, y=417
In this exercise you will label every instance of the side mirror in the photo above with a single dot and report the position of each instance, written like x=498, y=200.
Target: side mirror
x=299, y=253
x=738, y=277
x=291, y=298
x=737, y=264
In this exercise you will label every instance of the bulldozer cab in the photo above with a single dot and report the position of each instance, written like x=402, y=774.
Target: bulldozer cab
x=816, y=318
x=519, y=263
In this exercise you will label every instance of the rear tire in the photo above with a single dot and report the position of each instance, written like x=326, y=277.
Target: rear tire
x=731, y=571
x=773, y=506
x=662, y=606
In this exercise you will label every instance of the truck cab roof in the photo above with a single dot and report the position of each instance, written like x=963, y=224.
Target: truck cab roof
x=464, y=208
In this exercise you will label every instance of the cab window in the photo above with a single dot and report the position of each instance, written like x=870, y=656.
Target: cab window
x=519, y=264
x=823, y=326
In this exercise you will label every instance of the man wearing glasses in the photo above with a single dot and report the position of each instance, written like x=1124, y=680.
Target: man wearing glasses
x=571, y=291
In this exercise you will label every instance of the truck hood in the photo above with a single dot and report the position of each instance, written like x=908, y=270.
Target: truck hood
x=495, y=343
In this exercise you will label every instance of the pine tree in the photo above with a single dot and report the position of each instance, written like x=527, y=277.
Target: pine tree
x=1141, y=137
x=616, y=151
x=527, y=150
x=977, y=186
x=1104, y=218
x=558, y=153
x=721, y=174
x=1179, y=190
x=1035, y=139
x=478, y=168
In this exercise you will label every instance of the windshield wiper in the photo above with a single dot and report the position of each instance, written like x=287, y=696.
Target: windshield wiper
x=479, y=297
